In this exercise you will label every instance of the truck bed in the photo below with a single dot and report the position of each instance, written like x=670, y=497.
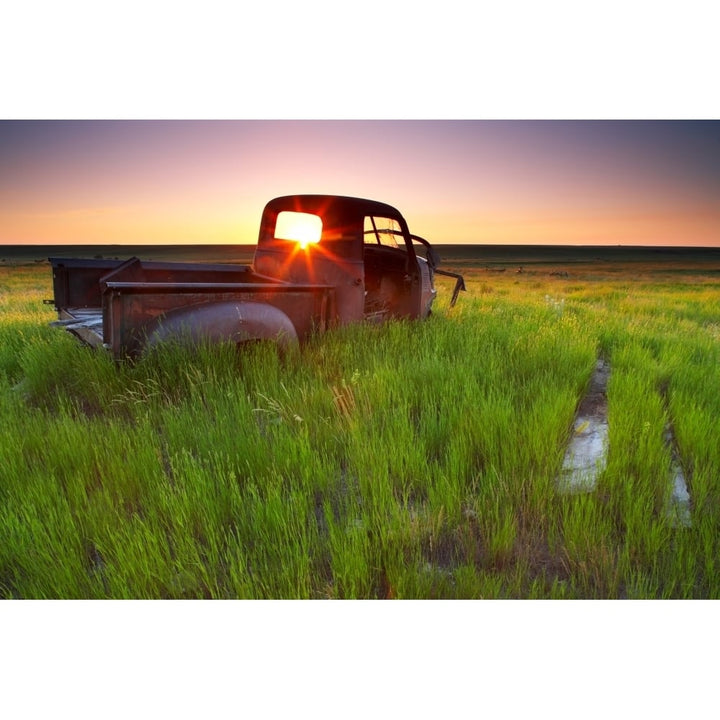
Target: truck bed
x=115, y=304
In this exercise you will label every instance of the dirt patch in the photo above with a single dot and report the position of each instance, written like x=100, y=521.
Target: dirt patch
x=594, y=404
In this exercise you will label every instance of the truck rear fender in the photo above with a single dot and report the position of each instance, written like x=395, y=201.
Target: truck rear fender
x=231, y=321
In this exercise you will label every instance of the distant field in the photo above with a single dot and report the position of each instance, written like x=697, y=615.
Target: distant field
x=493, y=256
x=28, y=254
x=411, y=460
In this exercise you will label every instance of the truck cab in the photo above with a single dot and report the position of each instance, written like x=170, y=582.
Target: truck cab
x=362, y=248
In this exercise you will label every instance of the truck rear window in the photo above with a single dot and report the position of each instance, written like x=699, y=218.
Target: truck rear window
x=302, y=228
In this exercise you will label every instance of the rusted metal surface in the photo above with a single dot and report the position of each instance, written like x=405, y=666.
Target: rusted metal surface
x=355, y=269
x=133, y=311
x=235, y=321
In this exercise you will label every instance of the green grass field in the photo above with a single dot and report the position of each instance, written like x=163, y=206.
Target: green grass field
x=412, y=460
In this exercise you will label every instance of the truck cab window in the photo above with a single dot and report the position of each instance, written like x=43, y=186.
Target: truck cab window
x=302, y=228
x=383, y=231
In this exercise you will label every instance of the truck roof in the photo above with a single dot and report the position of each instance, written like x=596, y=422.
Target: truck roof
x=336, y=205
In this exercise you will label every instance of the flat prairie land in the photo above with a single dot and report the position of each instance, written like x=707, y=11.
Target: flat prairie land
x=409, y=460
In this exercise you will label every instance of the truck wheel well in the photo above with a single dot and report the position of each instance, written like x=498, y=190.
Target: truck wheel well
x=232, y=321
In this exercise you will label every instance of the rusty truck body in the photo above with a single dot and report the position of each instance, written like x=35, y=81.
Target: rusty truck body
x=321, y=261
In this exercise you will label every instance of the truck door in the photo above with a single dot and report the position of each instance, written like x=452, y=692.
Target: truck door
x=392, y=274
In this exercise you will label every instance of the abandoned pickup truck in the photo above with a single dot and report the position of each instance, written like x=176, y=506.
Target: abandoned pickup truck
x=321, y=261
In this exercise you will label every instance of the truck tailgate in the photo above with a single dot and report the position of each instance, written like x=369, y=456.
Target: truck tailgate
x=85, y=323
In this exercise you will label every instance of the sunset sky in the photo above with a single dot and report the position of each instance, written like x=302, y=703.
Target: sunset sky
x=491, y=182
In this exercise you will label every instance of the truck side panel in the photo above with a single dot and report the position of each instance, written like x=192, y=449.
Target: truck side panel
x=131, y=310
